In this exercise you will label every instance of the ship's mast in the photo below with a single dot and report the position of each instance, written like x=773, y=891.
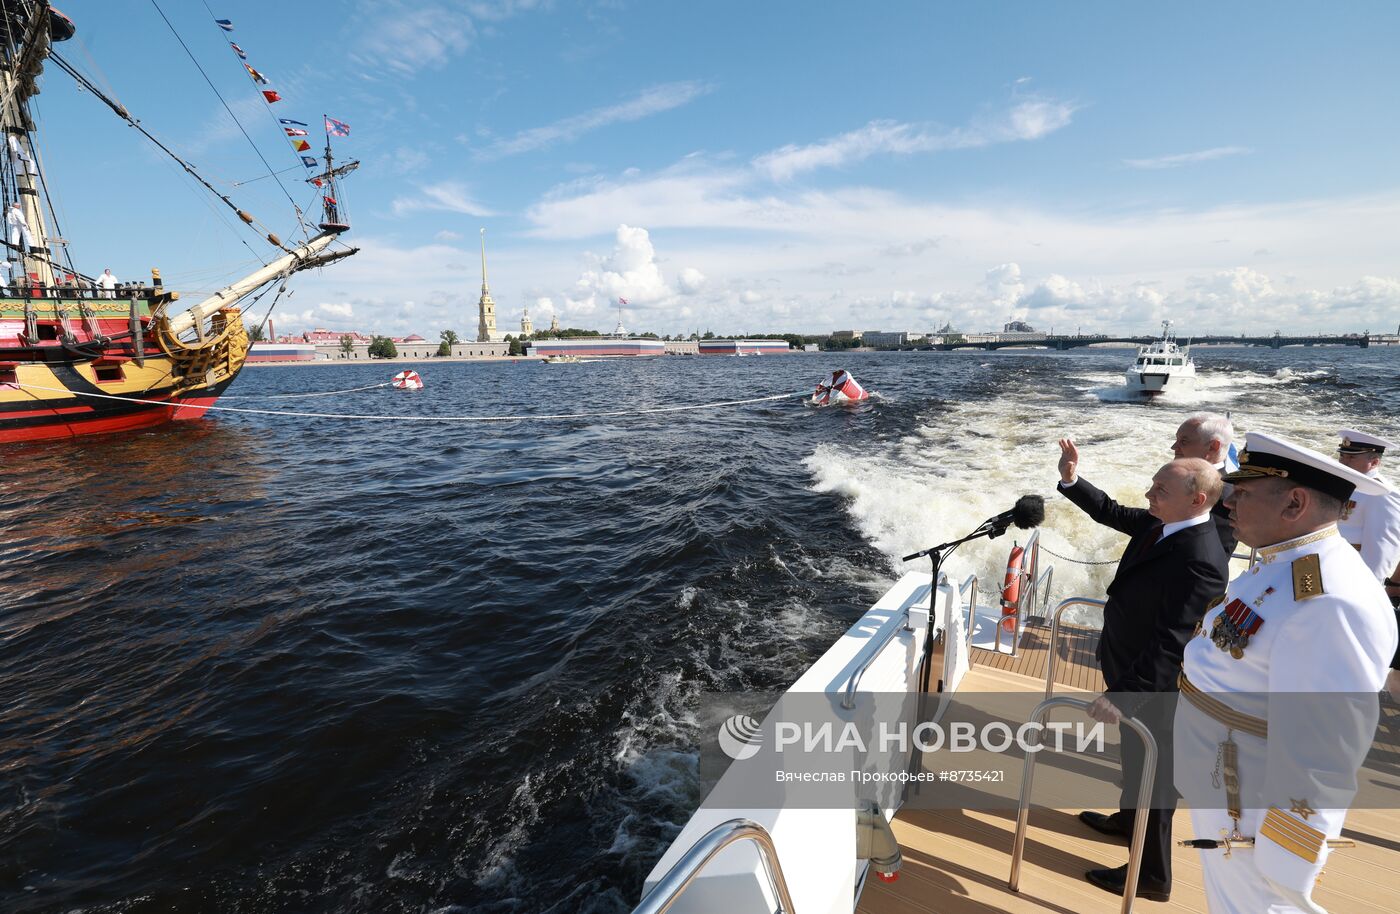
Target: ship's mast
x=26, y=43
x=331, y=220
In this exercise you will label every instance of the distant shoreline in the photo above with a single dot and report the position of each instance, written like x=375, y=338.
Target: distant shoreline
x=382, y=362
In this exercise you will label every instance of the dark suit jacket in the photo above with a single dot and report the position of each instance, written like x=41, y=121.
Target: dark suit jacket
x=1158, y=594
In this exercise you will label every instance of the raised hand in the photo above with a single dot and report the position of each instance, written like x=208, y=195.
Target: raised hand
x=1069, y=460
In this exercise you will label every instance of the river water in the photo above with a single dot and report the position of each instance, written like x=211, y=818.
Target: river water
x=269, y=664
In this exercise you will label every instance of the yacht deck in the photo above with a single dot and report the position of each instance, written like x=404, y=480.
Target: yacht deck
x=956, y=861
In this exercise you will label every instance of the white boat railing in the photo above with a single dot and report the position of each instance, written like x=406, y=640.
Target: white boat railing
x=1055, y=636
x=897, y=623
x=679, y=877
x=1144, y=797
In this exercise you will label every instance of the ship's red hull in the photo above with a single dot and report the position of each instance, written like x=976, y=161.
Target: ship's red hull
x=102, y=417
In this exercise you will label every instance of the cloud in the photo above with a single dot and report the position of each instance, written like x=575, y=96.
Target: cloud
x=1188, y=158
x=405, y=37
x=448, y=235
x=690, y=281
x=1029, y=119
x=651, y=101
x=447, y=196
x=630, y=272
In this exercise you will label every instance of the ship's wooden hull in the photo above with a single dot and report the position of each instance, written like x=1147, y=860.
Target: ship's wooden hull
x=71, y=415
x=90, y=387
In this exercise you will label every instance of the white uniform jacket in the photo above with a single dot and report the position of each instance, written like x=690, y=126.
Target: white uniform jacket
x=1322, y=640
x=1371, y=523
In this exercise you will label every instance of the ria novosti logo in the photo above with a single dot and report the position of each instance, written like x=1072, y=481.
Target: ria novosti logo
x=740, y=737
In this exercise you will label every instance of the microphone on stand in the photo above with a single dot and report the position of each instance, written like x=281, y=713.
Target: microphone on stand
x=1028, y=512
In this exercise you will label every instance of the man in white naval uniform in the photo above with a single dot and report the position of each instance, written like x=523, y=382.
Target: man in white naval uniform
x=19, y=229
x=1371, y=523
x=1279, y=688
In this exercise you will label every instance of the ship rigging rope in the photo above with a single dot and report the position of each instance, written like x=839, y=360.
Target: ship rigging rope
x=200, y=68
x=125, y=115
x=613, y=414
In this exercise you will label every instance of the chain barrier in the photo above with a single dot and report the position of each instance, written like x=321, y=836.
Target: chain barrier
x=1065, y=558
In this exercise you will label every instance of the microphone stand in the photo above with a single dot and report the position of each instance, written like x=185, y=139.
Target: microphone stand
x=990, y=529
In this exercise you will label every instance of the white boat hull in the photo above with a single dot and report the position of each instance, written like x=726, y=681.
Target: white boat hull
x=1153, y=383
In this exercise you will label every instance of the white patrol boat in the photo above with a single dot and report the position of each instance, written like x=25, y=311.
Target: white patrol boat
x=1161, y=367
x=928, y=639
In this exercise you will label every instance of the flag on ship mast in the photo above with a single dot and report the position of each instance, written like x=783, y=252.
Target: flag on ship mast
x=271, y=96
x=257, y=77
x=309, y=162
x=337, y=128
x=239, y=51
x=225, y=24
x=286, y=120
x=293, y=131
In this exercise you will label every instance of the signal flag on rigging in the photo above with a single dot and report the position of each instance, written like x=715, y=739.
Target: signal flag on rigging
x=271, y=96
x=225, y=24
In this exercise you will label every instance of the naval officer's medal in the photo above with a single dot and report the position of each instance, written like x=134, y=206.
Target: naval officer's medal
x=1235, y=624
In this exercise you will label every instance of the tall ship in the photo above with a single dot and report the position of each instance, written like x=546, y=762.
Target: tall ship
x=79, y=353
x=1162, y=367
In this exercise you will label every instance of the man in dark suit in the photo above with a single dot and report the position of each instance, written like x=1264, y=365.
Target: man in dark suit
x=1173, y=568
x=1208, y=436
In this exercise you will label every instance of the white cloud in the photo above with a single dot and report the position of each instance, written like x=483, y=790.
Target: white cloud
x=448, y=235
x=690, y=281
x=1027, y=120
x=446, y=196
x=630, y=272
x=407, y=37
x=1188, y=158
x=651, y=101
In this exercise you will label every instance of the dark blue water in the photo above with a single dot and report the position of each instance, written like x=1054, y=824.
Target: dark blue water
x=262, y=664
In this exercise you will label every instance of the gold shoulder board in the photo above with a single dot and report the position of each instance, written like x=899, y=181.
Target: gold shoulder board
x=1307, y=577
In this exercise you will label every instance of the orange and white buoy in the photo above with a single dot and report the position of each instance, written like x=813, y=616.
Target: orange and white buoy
x=1011, y=588
x=408, y=380
x=842, y=389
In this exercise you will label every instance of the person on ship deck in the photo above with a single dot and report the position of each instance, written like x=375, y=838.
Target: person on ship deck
x=1173, y=567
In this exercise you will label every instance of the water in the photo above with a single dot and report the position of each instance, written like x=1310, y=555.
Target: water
x=265, y=665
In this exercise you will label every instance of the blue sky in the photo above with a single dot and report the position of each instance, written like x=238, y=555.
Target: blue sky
x=744, y=167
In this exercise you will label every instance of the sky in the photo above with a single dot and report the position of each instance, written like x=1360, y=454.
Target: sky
x=758, y=167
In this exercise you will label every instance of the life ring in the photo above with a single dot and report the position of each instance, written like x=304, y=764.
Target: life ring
x=1011, y=588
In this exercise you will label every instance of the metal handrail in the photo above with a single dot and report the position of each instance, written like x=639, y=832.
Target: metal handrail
x=679, y=877
x=970, y=582
x=880, y=642
x=1144, y=798
x=1055, y=636
x=1047, y=578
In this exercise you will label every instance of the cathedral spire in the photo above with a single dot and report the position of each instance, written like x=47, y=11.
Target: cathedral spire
x=486, y=307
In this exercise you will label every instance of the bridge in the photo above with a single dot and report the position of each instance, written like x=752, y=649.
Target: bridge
x=1277, y=341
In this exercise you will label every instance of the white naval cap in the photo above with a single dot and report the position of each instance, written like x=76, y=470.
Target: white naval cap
x=1354, y=442
x=1268, y=455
